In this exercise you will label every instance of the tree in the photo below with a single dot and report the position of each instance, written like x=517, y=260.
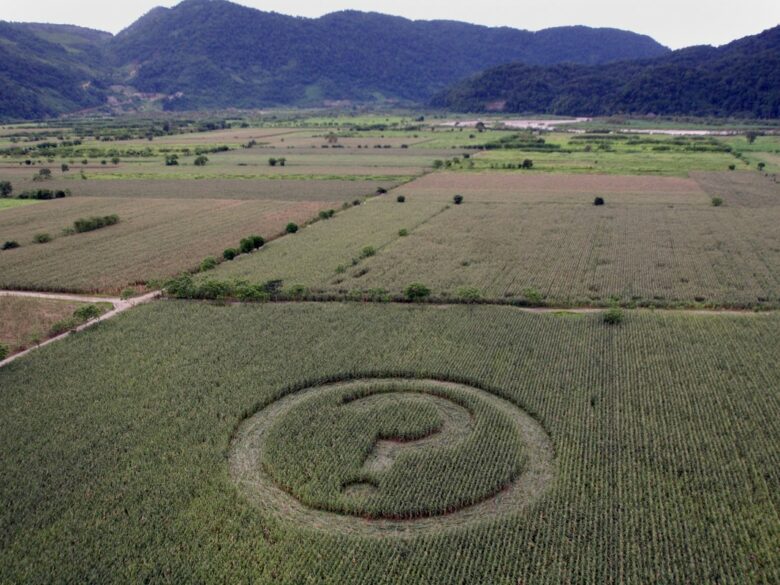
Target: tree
x=751, y=136
x=291, y=228
x=43, y=175
x=481, y=127
x=528, y=164
x=115, y=160
x=401, y=199
x=64, y=167
x=6, y=188
x=172, y=160
x=201, y=161
x=272, y=162
x=598, y=201
x=458, y=199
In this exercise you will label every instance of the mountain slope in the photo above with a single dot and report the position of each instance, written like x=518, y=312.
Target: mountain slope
x=221, y=54
x=49, y=69
x=739, y=79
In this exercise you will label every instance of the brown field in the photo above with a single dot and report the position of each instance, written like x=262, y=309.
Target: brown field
x=156, y=238
x=741, y=189
x=26, y=321
x=532, y=187
x=335, y=191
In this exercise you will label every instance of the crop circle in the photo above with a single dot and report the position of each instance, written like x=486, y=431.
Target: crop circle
x=390, y=456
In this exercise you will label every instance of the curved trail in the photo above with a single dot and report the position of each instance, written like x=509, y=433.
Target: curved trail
x=120, y=306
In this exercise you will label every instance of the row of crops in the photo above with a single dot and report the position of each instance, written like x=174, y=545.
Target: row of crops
x=114, y=446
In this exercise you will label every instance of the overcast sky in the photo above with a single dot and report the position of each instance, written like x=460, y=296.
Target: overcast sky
x=674, y=23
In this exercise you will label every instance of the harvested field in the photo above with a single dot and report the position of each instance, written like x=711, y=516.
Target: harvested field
x=156, y=238
x=114, y=446
x=27, y=321
x=336, y=192
x=741, y=189
x=497, y=187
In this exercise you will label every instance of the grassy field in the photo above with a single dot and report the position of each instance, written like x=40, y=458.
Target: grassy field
x=115, y=446
x=11, y=203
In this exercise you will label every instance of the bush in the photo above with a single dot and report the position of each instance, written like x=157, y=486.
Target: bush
x=528, y=164
x=732, y=167
x=598, y=201
x=128, y=293
x=257, y=242
x=613, y=316
x=201, y=161
x=172, y=160
x=292, y=228
x=356, y=202
x=367, y=252
x=230, y=254
x=209, y=263
x=327, y=214
x=4, y=351
x=533, y=296
x=381, y=191
x=272, y=162
x=248, y=293
x=401, y=199
x=246, y=246
x=10, y=245
x=64, y=326
x=42, y=238
x=761, y=166
x=6, y=188
x=403, y=233
x=181, y=287
x=717, y=201
x=94, y=223
x=458, y=199
x=87, y=313
x=417, y=292
x=297, y=291
x=469, y=294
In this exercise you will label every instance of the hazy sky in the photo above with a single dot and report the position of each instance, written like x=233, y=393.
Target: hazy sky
x=675, y=23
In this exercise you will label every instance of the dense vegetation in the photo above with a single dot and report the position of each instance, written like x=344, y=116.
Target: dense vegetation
x=739, y=79
x=114, y=446
x=269, y=58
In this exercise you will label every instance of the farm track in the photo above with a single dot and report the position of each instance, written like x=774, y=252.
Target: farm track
x=120, y=306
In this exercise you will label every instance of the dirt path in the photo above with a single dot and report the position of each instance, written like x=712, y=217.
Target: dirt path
x=120, y=306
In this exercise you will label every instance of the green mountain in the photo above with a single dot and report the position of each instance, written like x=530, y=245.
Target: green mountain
x=739, y=79
x=214, y=54
x=49, y=69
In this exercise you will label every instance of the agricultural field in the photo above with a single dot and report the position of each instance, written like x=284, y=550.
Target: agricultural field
x=154, y=239
x=27, y=321
x=658, y=241
x=123, y=449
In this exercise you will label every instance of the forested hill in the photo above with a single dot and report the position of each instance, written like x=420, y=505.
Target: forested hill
x=214, y=53
x=739, y=79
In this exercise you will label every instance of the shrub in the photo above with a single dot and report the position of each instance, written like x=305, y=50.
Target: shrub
x=94, y=223
x=115, y=160
x=401, y=199
x=6, y=188
x=257, y=242
x=732, y=167
x=327, y=214
x=87, y=313
x=128, y=293
x=717, y=201
x=296, y=291
x=528, y=164
x=246, y=246
x=64, y=167
x=172, y=160
x=761, y=166
x=367, y=252
x=272, y=162
x=201, y=161
x=42, y=238
x=381, y=191
x=533, y=296
x=598, y=201
x=417, y=292
x=181, y=287
x=292, y=228
x=4, y=351
x=341, y=269
x=10, y=245
x=246, y=292
x=613, y=316
x=230, y=254
x=43, y=175
x=458, y=199
x=209, y=263
x=64, y=326
x=469, y=294
x=403, y=233
x=356, y=202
